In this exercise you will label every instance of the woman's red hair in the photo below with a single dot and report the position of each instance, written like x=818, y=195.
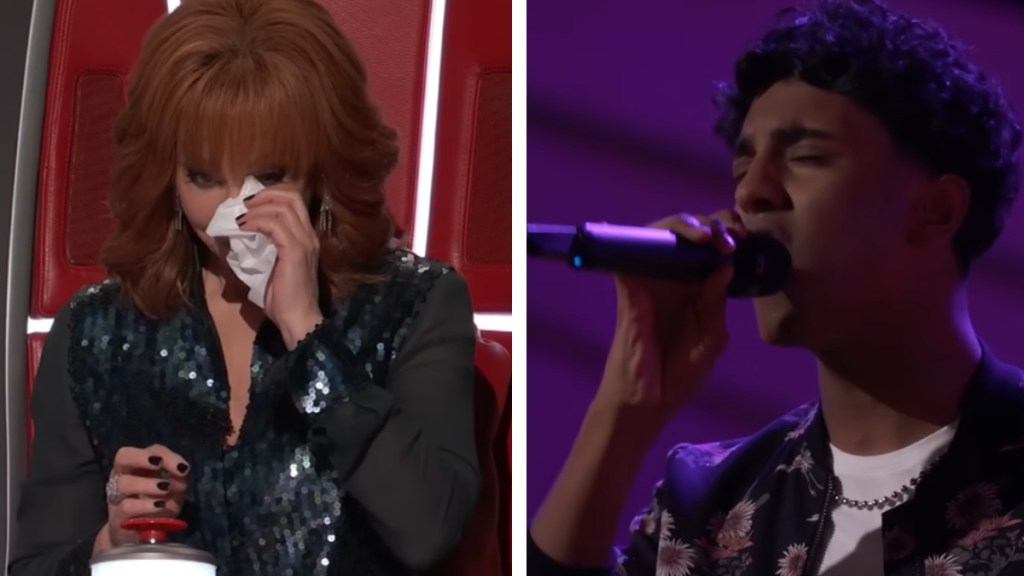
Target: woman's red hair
x=246, y=82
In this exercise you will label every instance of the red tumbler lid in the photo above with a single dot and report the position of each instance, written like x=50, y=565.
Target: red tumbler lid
x=154, y=530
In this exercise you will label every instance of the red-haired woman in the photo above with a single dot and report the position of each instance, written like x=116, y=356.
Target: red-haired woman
x=325, y=428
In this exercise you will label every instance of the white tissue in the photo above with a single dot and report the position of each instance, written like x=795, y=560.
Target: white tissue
x=252, y=255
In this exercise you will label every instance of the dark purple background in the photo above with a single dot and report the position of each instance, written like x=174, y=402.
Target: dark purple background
x=619, y=130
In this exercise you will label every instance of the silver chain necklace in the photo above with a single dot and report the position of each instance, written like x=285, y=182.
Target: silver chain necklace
x=894, y=499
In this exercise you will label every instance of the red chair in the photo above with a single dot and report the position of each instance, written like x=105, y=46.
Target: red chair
x=471, y=212
x=481, y=550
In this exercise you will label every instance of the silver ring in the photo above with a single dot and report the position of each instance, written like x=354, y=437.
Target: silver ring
x=114, y=496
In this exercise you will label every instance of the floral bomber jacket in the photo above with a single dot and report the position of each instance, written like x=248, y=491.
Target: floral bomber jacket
x=762, y=505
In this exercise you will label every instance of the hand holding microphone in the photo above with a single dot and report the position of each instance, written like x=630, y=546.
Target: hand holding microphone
x=672, y=280
x=668, y=334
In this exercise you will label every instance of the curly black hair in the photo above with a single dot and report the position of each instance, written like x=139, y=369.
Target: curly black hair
x=938, y=107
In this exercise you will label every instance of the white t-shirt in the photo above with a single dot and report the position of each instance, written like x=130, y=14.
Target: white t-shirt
x=856, y=545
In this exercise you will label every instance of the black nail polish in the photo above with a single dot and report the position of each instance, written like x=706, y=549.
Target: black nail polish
x=183, y=468
x=239, y=217
x=155, y=460
x=160, y=504
x=163, y=486
x=250, y=197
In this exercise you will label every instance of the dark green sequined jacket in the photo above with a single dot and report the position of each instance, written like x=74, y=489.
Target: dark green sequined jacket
x=356, y=454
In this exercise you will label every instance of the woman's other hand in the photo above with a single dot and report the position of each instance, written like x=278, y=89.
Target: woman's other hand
x=143, y=482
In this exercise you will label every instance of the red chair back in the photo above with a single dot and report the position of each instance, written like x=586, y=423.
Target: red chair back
x=471, y=211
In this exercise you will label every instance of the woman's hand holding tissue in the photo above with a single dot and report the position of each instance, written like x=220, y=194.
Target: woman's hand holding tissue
x=292, y=299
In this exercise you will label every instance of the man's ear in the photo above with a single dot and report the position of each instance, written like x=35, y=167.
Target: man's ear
x=940, y=209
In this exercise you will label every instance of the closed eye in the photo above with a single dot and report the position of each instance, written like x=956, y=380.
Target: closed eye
x=815, y=159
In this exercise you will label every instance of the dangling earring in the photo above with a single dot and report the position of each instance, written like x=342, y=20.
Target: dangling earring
x=177, y=213
x=325, y=220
